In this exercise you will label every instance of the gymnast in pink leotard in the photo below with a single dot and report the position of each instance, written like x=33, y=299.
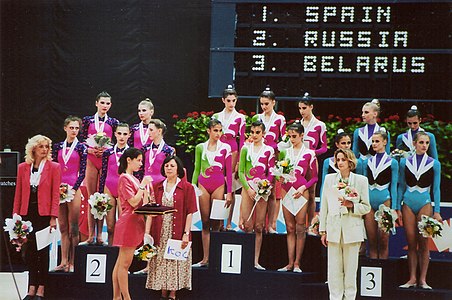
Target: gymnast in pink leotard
x=92, y=125
x=275, y=128
x=71, y=155
x=256, y=159
x=139, y=133
x=212, y=163
x=304, y=162
x=234, y=125
x=314, y=138
x=109, y=177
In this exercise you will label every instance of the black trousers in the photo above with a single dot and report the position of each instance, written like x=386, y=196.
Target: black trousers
x=36, y=261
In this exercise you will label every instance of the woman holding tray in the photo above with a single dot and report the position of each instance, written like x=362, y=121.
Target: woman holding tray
x=129, y=227
x=168, y=275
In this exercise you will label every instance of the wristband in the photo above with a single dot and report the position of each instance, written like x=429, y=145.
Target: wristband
x=187, y=232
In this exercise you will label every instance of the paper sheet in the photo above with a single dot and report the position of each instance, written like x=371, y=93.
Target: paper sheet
x=44, y=237
x=292, y=204
x=445, y=241
x=174, y=250
x=218, y=211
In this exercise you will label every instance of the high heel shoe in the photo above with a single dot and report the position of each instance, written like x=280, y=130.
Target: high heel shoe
x=407, y=285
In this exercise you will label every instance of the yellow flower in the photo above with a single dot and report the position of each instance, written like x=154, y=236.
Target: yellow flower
x=284, y=163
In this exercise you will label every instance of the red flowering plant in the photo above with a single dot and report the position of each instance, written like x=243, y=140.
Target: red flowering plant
x=192, y=129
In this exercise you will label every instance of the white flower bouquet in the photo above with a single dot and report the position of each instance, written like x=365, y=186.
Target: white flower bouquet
x=100, y=205
x=429, y=227
x=386, y=218
x=66, y=193
x=17, y=230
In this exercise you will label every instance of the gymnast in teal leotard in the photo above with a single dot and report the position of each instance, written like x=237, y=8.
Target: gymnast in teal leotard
x=381, y=171
x=419, y=176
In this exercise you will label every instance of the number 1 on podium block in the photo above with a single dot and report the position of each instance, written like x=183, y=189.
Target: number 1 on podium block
x=231, y=259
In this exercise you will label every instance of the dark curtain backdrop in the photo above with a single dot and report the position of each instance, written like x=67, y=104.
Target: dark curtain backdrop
x=56, y=56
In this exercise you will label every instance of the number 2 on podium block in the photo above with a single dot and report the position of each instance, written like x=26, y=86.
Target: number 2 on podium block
x=96, y=266
x=231, y=259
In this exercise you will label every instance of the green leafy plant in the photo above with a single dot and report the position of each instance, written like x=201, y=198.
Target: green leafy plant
x=192, y=129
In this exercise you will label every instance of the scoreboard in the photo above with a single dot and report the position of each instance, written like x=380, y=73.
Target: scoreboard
x=337, y=50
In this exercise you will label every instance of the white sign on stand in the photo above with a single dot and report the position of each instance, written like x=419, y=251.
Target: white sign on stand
x=96, y=267
x=231, y=259
x=371, y=281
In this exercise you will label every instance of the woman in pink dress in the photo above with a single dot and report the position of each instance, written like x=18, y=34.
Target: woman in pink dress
x=71, y=155
x=130, y=227
x=108, y=182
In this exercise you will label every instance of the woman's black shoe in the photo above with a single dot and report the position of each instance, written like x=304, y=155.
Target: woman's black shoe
x=28, y=297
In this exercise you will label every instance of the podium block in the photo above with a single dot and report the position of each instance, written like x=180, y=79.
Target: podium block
x=231, y=253
x=93, y=268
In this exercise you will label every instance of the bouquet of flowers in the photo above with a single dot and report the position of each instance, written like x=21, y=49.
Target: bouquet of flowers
x=18, y=230
x=346, y=191
x=99, y=139
x=314, y=227
x=66, y=193
x=285, y=170
x=146, y=252
x=100, y=205
x=386, y=217
x=285, y=142
x=399, y=153
x=429, y=227
x=264, y=187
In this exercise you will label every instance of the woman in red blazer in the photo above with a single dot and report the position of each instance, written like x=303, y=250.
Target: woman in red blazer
x=172, y=275
x=37, y=199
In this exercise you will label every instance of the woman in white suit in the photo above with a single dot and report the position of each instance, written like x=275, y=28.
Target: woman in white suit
x=342, y=226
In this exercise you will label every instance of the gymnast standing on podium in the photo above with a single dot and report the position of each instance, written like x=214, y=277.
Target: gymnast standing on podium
x=234, y=124
x=92, y=125
x=71, y=154
x=419, y=177
x=213, y=164
x=275, y=128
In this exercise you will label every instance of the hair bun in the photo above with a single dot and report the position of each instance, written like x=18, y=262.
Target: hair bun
x=375, y=101
x=340, y=130
x=229, y=87
x=306, y=94
x=382, y=130
x=413, y=107
x=267, y=88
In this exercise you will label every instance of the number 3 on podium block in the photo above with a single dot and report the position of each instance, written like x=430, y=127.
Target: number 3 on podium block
x=231, y=259
x=96, y=266
x=371, y=281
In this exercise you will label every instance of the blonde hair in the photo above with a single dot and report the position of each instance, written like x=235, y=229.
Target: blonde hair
x=148, y=103
x=374, y=105
x=33, y=142
x=349, y=155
